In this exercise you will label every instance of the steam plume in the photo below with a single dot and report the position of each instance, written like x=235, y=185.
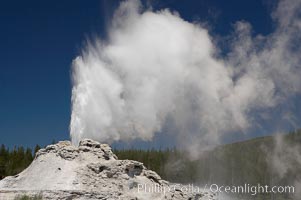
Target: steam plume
x=155, y=67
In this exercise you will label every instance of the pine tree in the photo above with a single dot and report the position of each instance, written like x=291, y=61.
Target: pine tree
x=36, y=149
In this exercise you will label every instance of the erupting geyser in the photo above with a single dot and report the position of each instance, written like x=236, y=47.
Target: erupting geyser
x=156, y=66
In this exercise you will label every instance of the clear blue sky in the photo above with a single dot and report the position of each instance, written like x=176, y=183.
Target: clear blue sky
x=39, y=39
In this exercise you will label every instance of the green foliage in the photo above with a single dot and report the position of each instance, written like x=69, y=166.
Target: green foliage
x=14, y=161
x=37, y=148
x=26, y=197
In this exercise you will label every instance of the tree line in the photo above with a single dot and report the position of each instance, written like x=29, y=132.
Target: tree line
x=13, y=161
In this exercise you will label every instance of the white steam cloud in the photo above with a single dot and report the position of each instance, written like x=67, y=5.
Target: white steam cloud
x=155, y=67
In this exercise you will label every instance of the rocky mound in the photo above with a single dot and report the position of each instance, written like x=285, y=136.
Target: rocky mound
x=90, y=171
